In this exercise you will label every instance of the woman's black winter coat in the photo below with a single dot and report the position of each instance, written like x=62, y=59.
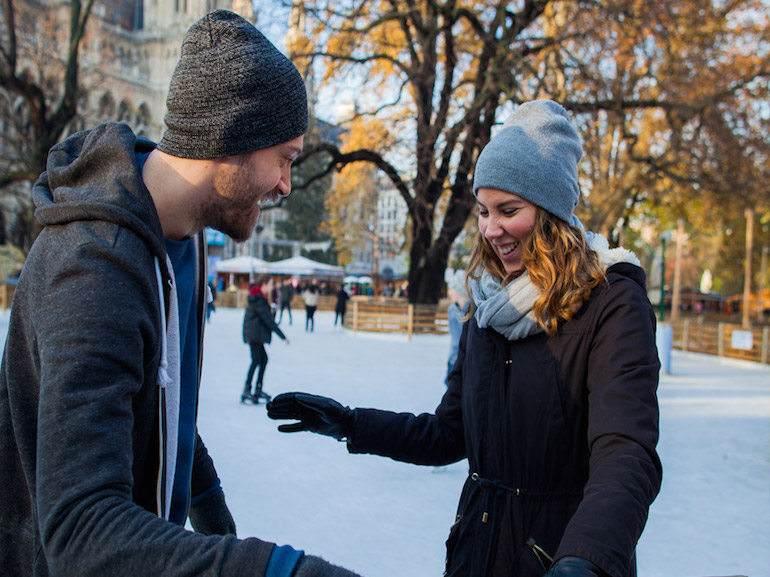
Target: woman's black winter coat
x=258, y=322
x=559, y=432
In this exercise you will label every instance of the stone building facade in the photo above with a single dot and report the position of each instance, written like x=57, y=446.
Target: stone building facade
x=129, y=55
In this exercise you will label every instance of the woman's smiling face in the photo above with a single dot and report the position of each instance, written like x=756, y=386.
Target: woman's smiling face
x=506, y=220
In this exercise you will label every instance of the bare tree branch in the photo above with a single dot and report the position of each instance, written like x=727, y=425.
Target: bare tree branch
x=340, y=159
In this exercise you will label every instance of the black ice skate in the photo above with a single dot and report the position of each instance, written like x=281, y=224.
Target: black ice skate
x=260, y=394
x=247, y=398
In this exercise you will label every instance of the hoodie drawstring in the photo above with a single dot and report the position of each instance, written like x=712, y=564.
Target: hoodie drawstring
x=163, y=377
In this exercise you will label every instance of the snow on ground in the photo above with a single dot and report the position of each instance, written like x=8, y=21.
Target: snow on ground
x=382, y=518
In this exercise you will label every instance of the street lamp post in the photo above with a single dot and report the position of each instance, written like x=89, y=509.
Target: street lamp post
x=762, y=282
x=376, y=278
x=254, y=237
x=676, y=293
x=662, y=277
x=374, y=236
x=665, y=235
x=747, y=268
x=664, y=336
x=257, y=233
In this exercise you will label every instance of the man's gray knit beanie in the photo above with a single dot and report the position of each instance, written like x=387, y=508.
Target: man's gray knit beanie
x=535, y=156
x=232, y=92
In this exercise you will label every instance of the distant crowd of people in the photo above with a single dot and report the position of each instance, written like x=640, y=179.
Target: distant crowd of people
x=287, y=287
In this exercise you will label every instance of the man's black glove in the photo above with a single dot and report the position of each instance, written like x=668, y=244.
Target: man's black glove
x=212, y=517
x=317, y=414
x=310, y=566
x=575, y=567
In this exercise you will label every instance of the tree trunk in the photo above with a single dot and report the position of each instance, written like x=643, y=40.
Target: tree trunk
x=429, y=257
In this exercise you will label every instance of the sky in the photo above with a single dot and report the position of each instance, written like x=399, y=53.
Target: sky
x=382, y=518
x=334, y=103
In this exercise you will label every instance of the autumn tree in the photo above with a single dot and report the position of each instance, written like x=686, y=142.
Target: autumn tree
x=351, y=210
x=306, y=213
x=39, y=88
x=700, y=154
x=659, y=91
x=352, y=204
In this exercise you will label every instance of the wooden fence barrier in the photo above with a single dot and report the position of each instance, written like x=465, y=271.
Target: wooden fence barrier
x=239, y=299
x=396, y=316
x=232, y=299
x=723, y=339
x=6, y=295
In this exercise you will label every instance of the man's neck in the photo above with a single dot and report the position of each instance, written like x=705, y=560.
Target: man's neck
x=176, y=186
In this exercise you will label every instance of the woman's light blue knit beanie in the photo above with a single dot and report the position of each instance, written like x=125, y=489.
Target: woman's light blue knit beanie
x=535, y=156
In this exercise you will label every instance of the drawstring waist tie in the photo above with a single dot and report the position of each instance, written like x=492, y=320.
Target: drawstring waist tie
x=496, y=488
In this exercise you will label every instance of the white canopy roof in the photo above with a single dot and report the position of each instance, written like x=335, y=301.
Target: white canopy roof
x=303, y=266
x=353, y=279
x=242, y=264
x=296, y=265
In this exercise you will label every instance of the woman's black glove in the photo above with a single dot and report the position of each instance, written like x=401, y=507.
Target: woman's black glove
x=317, y=414
x=212, y=517
x=310, y=566
x=575, y=567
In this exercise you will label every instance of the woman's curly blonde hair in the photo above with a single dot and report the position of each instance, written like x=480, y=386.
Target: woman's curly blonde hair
x=559, y=262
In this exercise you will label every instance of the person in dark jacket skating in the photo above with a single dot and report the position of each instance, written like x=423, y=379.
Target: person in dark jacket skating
x=285, y=295
x=258, y=329
x=553, y=397
x=341, y=306
x=102, y=461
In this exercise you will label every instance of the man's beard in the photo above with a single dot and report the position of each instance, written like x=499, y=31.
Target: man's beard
x=235, y=216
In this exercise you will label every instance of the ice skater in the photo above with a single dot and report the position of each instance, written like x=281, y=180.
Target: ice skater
x=341, y=306
x=311, y=295
x=552, y=398
x=258, y=329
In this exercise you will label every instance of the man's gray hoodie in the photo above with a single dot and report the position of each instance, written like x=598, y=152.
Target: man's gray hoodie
x=81, y=415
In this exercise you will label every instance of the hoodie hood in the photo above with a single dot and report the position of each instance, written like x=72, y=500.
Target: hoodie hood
x=618, y=260
x=631, y=271
x=93, y=175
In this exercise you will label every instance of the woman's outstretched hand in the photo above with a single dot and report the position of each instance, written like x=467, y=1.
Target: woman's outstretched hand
x=317, y=414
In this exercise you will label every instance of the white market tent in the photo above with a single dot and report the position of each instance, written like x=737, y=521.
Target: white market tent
x=353, y=279
x=242, y=264
x=294, y=266
x=303, y=266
